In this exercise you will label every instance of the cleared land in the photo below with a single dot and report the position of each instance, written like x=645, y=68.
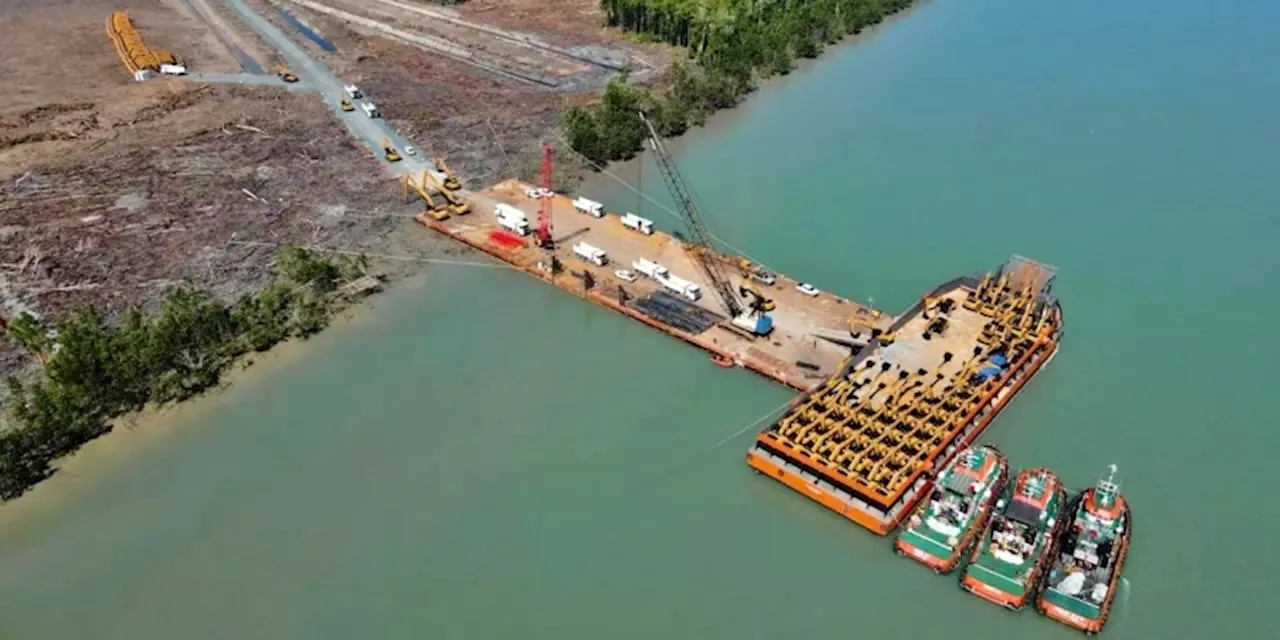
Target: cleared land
x=111, y=190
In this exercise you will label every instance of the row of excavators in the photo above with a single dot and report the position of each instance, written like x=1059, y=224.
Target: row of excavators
x=439, y=197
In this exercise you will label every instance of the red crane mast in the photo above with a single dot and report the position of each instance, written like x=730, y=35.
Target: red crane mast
x=543, y=237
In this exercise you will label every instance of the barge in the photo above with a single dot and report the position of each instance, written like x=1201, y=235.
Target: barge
x=622, y=262
x=869, y=441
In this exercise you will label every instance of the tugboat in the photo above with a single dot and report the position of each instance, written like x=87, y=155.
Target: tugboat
x=1010, y=559
x=942, y=529
x=1086, y=570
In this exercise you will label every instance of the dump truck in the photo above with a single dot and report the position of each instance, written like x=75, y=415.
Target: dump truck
x=512, y=219
x=370, y=109
x=636, y=223
x=589, y=207
x=591, y=253
x=352, y=91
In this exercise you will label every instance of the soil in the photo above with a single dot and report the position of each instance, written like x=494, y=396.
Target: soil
x=112, y=191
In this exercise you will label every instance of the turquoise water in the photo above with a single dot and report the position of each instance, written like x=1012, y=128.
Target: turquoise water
x=485, y=457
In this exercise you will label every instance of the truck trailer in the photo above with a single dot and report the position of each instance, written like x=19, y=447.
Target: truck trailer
x=589, y=207
x=593, y=254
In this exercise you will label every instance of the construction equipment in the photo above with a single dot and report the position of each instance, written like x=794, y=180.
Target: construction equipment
x=457, y=205
x=543, y=236
x=450, y=180
x=346, y=105
x=700, y=246
x=759, y=303
x=389, y=152
x=285, y=74
x=438, y=210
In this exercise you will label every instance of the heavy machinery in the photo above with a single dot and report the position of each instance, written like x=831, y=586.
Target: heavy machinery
x=437, y=209
x=346, y=105
x=450, y=181
x=759, y=303
x=753, y=320
x=457, y=205
x=285, y=74
x=389, y=152
x=543, y=236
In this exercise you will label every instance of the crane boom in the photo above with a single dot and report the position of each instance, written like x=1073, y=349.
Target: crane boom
x=700, y=247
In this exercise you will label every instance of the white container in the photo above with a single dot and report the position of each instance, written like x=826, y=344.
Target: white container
x=594, y=255
x=635, y=222
x=681, y=286
x=589, y=207
x=507, y=212
x=649, y=268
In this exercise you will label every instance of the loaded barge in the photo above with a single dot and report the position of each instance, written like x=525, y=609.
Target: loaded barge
x=785, y=330
x=869, y=441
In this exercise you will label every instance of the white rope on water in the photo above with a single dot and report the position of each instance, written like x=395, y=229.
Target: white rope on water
x=729, y=438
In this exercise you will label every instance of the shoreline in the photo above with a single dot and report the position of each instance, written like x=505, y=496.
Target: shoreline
x=136, y=433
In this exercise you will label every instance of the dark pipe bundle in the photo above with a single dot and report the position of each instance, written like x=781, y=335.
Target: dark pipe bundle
x=675, y=312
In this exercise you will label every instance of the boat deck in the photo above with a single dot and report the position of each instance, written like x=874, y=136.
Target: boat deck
x=867, y=442
x=883, y=450
x=811, y=337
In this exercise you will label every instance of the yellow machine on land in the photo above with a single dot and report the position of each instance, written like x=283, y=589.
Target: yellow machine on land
x=389, y=152
x=456, y=204
x=450, y=181
x=346, y=105
x=436, y=209
x=285, y=74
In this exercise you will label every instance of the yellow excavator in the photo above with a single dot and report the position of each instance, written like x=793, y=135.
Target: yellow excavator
x=389, y=152
x=285, y=74
x=759, y=303
x=456, y=204
x=346, y=104
x=450, y=180
x=437, y=209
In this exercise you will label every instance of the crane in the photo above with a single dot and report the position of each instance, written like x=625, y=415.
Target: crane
x=700, y=247
x=543, y=236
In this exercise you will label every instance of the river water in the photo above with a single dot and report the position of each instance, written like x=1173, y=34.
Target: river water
x=484, y=457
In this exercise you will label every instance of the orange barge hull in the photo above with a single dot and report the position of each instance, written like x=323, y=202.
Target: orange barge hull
x=994, y=595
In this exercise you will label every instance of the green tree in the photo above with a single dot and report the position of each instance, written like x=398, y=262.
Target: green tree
x=31, y=334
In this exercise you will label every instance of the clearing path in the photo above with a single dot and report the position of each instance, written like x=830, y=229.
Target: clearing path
x=369, y=131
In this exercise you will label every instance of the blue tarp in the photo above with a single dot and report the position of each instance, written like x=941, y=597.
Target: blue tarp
x=998, y=360
x=988, y=372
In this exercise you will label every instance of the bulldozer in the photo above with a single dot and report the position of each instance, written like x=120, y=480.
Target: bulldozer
x=285, y=74
x=389, y=152
x=346, y=105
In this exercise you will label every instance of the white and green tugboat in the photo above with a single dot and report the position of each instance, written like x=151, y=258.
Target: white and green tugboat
x=948, y=522
x=1086, y=569
x=1019, y=541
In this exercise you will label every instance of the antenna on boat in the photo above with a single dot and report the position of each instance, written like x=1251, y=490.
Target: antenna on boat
x=1108, y=488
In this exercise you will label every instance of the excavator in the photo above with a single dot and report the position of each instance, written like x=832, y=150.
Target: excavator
x=285, y=74
x=389, y=151
x=759, y=303
x=437, y=209
x=450, y=181
x=456, y=204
